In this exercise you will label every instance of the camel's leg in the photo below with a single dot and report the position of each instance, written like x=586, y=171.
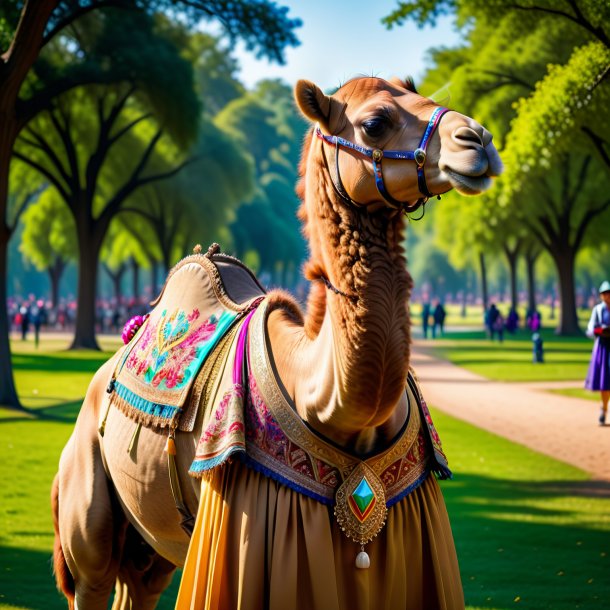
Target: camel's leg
x=63, y=576
x=91, y=527
x=143, y=576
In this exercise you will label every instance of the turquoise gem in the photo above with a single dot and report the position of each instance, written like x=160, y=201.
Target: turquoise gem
x=363, y=495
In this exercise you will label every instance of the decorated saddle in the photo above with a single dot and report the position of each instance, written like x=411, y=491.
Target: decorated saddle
x=205, y=346
x=203, y=302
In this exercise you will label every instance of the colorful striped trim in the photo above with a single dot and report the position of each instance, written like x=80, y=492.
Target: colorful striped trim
x=199, y=466
x=405, y=492
x=272, y=474
x=145, y=406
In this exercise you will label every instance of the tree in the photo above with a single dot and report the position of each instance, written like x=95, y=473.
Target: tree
x=58, y=142
x=49, y=238
x=198, y=203
x=267, y=124
x=26, y=27
x=541, y=112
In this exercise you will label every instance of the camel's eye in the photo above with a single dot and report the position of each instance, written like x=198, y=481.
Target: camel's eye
x=376, y=126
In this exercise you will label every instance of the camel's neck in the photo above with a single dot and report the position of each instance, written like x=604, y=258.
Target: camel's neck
x=347, y=368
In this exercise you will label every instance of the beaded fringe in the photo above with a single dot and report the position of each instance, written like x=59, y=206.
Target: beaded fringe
x=140, y=416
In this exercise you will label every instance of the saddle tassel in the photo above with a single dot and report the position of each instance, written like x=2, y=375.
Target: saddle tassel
x=187, y=521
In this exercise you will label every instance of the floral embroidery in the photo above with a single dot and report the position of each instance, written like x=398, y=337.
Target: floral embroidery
x=226, y=420
x=155, y=358
x=264, y=432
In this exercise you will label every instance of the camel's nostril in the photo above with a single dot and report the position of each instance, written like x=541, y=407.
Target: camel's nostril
x=466, y=135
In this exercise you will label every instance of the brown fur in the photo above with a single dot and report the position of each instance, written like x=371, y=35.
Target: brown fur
x=63, y=577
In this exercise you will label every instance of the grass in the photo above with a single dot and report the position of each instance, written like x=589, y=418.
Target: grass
x=566, y=358
x=530, y=531
x=52, y=383
x=578, y=393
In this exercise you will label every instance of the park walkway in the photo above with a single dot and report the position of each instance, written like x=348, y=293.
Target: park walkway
x=562, y=427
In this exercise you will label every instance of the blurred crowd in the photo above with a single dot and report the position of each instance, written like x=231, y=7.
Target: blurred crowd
x=29, y=315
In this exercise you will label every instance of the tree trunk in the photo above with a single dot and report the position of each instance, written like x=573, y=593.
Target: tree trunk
x=55, y=271
x=568, y=319
x=530, y=266
x=84, y=333
x=8, y=391
x=483, y=272
x=154, y=279
x=511, y=257
x=135, y=278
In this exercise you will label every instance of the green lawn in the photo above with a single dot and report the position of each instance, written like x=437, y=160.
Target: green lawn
x=52, y=382
x=566, y=358
x=530, y=531
x=578, y=393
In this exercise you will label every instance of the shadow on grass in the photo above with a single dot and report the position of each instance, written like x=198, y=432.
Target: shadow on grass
x=529, y=541
x=65, y=413
x=27, y=581
x=58, y=362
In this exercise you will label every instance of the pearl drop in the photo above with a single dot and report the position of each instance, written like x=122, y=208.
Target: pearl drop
x=362, y=560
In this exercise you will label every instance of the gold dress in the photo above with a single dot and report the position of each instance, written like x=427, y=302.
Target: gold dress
x=284, y=512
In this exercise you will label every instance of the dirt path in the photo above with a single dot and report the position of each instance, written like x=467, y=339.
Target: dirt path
x=559, y=426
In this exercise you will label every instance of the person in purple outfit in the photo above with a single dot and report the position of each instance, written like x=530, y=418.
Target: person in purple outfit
x=598, y=377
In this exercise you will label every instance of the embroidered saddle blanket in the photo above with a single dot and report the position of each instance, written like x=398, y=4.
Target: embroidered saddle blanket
x=204, y=299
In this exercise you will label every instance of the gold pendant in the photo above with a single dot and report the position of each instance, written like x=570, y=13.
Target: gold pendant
x=360, y=506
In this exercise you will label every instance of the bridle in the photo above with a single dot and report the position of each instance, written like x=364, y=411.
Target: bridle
x=377, y=155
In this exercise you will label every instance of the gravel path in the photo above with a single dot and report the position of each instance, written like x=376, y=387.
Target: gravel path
x=562, y=427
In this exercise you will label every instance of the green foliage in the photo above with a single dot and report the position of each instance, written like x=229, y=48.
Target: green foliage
x=548, y=122
x=265, y=28
x=49, y=231
x=215, y=70
x=422, y=12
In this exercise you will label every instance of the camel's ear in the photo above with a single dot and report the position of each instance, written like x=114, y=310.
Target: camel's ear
x=313, y=103
x=406, y=83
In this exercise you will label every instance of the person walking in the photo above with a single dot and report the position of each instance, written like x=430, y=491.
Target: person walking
x=425, y=318
x=598, y=376
x=438, y=319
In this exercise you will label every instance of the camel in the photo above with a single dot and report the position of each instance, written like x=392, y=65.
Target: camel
x=306, y=436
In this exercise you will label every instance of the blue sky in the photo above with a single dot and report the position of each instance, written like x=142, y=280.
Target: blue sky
x=343, y=38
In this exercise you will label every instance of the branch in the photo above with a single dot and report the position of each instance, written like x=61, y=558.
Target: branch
x=25, y=45
x=44, y=99
x=581, y=178
x=599, y=143
x=135, y=181
x=27, y=199
x=117, y=136
x=48, y=175
x=104, y=142
x=588, y=217
x=79, y=12
x=147, y=215
x=578, y=19
x=509, y=79
x=64, y=133
x=44, y=146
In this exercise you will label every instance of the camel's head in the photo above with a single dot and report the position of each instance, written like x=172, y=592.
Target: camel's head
x=394, y=147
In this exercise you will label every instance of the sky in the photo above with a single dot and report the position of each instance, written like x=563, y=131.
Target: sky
x=341, y=39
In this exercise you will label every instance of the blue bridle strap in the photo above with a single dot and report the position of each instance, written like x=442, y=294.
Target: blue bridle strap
x=377, y=155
